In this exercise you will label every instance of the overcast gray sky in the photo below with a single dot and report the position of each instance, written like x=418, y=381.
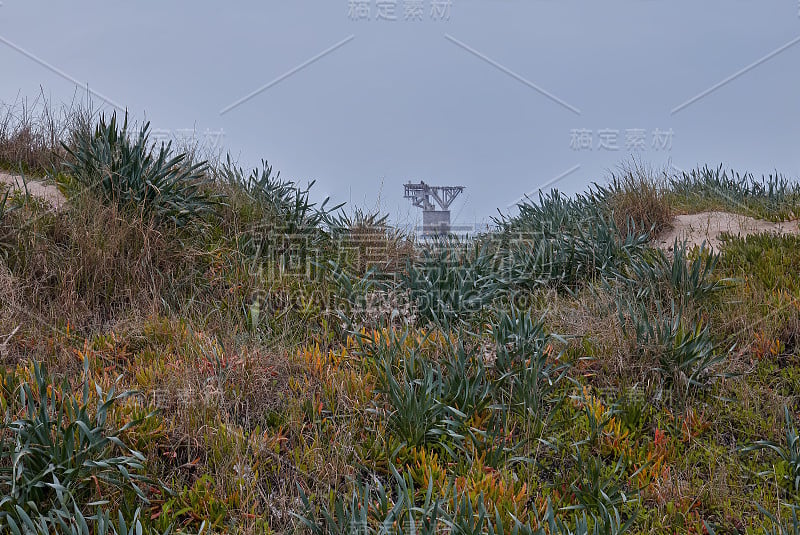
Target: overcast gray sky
x=501, y=96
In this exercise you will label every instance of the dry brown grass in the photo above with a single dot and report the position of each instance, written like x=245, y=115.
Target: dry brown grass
x=589, y=319
x=88, y=264
x=378, y=246
x=31, y=133
x=639, y=199
x=88, y=268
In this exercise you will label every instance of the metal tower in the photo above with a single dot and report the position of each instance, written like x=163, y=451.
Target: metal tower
x=433, y=221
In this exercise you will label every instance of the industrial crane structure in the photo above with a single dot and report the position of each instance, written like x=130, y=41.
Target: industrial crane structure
x=434, y=221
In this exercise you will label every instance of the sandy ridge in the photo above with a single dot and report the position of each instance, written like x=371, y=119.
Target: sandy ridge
x=709, y=226
x=694, y=228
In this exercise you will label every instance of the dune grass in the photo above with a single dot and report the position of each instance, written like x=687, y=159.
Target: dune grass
x=241, y=359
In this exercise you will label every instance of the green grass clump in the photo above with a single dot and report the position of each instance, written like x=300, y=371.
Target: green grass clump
x=768, y=258
x=451, y=281
x=773, y=197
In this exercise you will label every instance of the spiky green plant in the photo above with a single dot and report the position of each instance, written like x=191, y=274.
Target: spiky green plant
x=349, y=289
x=59, y=446
x=413, y=388
x=286, y=225
x=68, y=520
x=688, y=351
x=787, y=470
x=598, y=493
x=776, y=526
x=469, y=518
x=565, y=241
x=528, y=369
x=129, y=171
x=689, y=277
x=452, y=282
x=373, y=509
x=466, y=385
x=681, y=342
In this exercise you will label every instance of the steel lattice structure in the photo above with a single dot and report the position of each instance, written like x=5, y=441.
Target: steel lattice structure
x=427, y=197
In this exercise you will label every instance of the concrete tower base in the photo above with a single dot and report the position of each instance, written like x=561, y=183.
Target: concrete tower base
x=435, y=222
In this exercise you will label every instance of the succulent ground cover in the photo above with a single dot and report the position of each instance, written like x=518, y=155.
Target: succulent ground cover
x=190, y=347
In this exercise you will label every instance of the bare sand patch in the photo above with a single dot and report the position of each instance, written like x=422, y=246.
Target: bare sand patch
x=37, y=188
x=708, y=226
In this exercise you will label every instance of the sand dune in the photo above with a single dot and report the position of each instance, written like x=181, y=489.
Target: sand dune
x=708, y=226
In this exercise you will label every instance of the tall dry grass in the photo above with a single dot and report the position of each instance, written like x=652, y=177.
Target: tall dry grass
x=32, y=132
x=639, y=198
